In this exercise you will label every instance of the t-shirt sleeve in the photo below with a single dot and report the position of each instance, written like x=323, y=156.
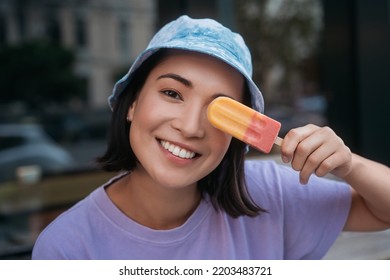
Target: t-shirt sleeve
x=313, y=215
x=63, y=238
x=47, y=249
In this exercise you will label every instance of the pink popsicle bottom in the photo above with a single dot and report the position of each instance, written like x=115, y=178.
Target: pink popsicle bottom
x=262, y=133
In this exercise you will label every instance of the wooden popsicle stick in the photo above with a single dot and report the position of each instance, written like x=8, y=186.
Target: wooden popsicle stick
x=278, y=141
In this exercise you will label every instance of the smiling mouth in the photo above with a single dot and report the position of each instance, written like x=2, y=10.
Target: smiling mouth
x=177, y=151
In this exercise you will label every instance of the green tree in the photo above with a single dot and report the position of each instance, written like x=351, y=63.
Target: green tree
x=38, y=74
x=281, y=34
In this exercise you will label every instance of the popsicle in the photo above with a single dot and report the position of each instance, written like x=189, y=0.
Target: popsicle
x=244, y=123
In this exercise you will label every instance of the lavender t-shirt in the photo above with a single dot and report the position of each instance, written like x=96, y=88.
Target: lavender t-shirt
x=301, y=222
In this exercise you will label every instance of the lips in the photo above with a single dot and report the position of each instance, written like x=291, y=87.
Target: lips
x=177, y=150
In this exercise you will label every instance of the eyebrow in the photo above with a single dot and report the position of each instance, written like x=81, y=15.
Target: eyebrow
x=178, y=78
x=188, y=83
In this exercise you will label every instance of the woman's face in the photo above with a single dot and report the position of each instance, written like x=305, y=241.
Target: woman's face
x=170, y=135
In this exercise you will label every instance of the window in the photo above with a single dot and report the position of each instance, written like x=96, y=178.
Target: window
x=3, y=30
x=124, y=39
x=21, y=20
x=53, y=29
x=80, y=31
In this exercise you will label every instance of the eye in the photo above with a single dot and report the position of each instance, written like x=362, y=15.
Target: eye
x=171, y=93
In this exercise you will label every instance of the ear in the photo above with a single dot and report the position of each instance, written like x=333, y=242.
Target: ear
x=130, y=112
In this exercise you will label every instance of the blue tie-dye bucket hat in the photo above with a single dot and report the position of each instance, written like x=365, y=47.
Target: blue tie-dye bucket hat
x=199, y=35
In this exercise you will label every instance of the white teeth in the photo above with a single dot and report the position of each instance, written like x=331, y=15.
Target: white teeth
x=177, y=151
x=182, y=154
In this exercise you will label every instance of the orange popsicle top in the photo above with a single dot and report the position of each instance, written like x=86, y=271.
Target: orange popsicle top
x=244, y=123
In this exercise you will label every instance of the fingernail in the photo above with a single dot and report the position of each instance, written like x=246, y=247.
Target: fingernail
x=285, y=159
x=303, y=181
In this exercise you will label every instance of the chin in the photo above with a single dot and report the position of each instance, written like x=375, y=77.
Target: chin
x=176, y=183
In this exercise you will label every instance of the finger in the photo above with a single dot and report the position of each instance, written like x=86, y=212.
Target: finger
x=328, y=165
x=339, y=164
x=292, y=140
x=319, y=162
x=306, y=149
x=331, y=155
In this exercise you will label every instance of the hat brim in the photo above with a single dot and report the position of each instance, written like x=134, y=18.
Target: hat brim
x=209, y=49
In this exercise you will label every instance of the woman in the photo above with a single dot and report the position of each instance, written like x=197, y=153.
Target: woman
x=185, y=191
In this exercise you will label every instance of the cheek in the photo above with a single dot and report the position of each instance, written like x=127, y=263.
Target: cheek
x=220, y=143
x=144, y=112
x=141, y=122
x=141, y=126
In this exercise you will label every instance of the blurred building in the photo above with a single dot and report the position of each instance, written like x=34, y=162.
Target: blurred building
x=105, y=34
x=222, y=10
x=355, y=73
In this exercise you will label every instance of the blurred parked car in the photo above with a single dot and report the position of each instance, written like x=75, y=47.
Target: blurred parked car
x=28, y=145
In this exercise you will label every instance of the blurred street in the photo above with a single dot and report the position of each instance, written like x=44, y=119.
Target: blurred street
x=85, y=152
x=361, y=246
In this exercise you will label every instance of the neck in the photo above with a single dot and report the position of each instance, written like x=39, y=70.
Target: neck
x=154, y=206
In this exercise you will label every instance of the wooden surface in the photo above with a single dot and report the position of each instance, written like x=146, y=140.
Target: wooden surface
x=52, y=192
x=25, y=210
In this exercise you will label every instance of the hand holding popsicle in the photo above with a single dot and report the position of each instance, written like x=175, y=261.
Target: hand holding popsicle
x=313, y=149
x=244, y=123
x=310, y=149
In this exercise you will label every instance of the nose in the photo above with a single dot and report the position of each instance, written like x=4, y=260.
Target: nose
x=192, y=121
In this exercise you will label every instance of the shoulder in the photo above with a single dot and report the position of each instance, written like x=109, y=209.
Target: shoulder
x=266, y=179
x=276, y=185
x=67, y=233
x=269, y=174
x=312, y=215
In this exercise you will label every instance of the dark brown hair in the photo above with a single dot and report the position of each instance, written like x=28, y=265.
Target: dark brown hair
x=225, y=185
